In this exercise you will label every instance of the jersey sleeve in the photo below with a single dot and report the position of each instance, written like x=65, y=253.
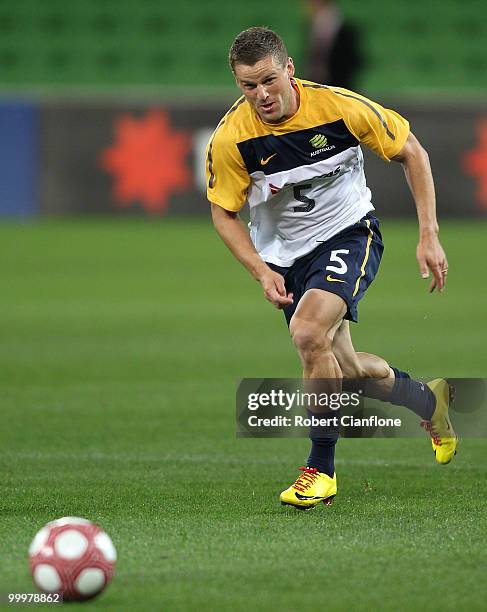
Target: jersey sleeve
x=227, y=179
x=381, y=129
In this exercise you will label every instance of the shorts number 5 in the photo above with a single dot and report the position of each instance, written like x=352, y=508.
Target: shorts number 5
x=335, y=257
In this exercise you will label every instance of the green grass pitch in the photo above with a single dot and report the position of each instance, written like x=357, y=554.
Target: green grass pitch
x=121, y=345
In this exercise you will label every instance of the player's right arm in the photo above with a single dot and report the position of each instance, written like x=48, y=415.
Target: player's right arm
x=235, y=235
x=227, y=185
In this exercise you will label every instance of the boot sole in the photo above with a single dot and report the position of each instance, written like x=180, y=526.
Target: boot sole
x=327, y=501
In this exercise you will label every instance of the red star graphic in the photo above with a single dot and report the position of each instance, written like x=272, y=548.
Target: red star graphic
x=475, y=163
x=147, y=161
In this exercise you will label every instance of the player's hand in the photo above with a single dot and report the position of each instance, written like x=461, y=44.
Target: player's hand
x=431, y=256
x=275, y=289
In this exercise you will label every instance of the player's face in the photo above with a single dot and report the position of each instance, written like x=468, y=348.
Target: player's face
x=267, y=87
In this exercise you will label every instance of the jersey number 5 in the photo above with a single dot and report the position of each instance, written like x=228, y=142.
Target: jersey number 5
x=309, y=203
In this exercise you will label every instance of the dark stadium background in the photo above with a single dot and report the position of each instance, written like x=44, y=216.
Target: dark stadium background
x=125, y=324
x=72, y=74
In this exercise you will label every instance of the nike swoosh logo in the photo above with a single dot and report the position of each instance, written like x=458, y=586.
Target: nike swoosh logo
x=299, y=496
x=267, y=159
x=334, y=280
x=447, y=423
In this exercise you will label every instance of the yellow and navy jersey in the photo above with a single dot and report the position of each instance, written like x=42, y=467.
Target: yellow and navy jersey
x=303, y=178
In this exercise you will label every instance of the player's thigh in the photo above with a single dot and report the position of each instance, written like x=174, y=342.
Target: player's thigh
x=317, y=317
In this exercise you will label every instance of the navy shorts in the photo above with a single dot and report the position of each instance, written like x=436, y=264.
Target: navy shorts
x=346, y=264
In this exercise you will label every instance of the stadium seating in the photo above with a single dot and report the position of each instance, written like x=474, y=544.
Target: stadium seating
x=420, y=44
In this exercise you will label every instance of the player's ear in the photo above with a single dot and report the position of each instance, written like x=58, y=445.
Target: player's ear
x=290, y=67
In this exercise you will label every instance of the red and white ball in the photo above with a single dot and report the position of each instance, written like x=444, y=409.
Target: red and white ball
x=73, y=557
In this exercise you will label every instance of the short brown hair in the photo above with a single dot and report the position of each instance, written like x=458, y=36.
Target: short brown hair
x=254, y=44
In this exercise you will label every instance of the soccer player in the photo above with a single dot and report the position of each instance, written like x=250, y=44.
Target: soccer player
x=291, y=149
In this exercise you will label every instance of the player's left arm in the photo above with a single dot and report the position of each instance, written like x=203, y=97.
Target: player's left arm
x=387, y=133
x=429, y=252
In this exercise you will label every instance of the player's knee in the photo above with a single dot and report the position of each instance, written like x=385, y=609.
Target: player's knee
x=309, y=340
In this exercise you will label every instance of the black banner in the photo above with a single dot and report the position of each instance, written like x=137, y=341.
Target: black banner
x=362, y=408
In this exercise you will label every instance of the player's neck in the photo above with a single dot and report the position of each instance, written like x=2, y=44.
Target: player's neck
x=296, y=98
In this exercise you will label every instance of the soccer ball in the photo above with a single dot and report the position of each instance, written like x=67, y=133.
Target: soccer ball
x=72, y=557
